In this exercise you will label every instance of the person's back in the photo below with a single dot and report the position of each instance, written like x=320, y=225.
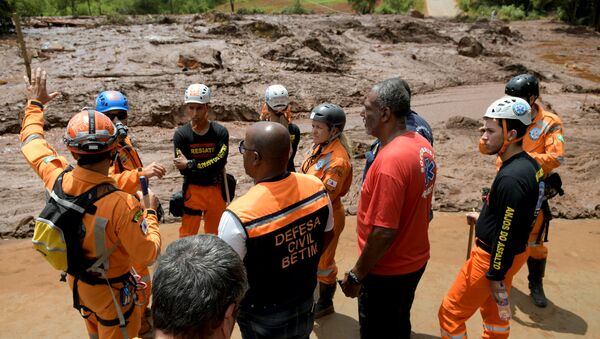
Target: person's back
x=115, y=231
x=279, y=228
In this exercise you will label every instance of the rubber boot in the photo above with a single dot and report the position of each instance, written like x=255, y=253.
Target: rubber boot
x=535, y=277
x=324, y=305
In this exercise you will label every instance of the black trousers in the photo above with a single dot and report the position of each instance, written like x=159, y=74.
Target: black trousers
x=384, y=305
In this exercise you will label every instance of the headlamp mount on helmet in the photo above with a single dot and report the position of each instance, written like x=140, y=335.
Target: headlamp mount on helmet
x=91, y=132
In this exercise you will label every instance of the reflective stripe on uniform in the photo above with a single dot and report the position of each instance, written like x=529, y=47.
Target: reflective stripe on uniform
x=66, y=203
x=31, y=137
x=456, y=336
x=285, y=212
x=94, y=335
x=325, y=273
x=496, y=328
x=100, y=241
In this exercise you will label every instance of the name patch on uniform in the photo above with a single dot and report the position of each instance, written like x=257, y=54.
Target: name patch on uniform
x=331, y=183
x=137, y=216
x=535, y=133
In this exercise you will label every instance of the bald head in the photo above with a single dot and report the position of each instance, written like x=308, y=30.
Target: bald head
x=271, y=140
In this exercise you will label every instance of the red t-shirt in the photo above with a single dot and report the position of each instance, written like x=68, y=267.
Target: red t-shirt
x=397, y=194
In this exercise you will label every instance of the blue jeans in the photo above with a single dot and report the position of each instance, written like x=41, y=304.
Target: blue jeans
x=277, y=322
x=384, y=305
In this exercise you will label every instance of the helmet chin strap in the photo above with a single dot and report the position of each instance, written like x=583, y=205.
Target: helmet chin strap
x=506, y=142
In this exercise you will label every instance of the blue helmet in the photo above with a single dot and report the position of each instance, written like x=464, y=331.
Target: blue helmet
x=111, y=100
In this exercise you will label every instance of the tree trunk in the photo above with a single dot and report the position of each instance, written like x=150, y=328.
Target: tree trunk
x=100, y=7
x=231, y=3
x=89, y=8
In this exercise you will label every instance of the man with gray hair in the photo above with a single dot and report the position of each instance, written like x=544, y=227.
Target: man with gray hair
x=198, y=286
x=392, y=217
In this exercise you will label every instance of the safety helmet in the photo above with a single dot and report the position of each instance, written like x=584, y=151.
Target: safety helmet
x=510, y=108
x=197, y=94
x=90, y=132
x=331, y=114
x=111, y=100
x=277, y=97
x=523, y=86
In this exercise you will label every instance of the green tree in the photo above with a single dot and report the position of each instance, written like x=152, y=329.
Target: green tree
x=363, y=6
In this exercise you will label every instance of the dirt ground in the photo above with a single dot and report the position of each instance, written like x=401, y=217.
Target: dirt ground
x=36, y=305
x=318, y=58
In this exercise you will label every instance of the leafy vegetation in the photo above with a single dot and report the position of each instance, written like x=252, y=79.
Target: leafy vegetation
x=578, y=12
x=400, y=6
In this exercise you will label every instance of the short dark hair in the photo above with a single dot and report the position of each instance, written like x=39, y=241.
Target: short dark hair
x=195, y=282
x=515, y=124
x=392, y=93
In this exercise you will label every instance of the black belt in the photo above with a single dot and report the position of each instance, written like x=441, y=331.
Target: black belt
x=483, y=246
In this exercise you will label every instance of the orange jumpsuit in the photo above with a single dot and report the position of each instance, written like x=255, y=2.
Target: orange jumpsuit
x=127, y=170
x=545, y=143
x=118, y=220
x=331, y=164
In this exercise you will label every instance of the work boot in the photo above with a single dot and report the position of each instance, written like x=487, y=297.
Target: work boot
x=536, y=287
x=324, y=305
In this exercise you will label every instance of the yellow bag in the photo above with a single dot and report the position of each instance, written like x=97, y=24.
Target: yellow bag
x=49, y=240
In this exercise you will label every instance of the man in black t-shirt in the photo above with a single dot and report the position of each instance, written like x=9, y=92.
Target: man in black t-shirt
x=201, y=148
x=502, y=228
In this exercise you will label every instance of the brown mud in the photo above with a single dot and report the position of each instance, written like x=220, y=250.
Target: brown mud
x=34, y=304
x=318, y=58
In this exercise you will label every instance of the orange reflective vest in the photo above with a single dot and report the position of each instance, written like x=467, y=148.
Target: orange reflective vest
x=544, y=140
x=284, y=221
x=127, y=167
x=331, y=164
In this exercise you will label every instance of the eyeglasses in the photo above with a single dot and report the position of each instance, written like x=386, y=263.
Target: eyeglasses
x=120, y=114
x=242, y=148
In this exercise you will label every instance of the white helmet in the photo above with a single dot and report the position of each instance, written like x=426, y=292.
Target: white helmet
x=277, y=97
x=197, y=94
x=510, y=108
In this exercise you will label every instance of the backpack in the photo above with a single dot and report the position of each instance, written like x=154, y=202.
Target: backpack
x=59, y=230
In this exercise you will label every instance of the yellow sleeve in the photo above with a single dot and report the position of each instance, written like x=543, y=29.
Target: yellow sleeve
x=42, y=157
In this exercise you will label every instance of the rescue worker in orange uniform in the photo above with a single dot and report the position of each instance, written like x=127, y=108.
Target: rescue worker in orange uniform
x=201, y=148
x=126, y=169
x=545, y=143
x=330, y=162
x=121, y=228
x=279, y=228
x=501, y=230
x=277, y=109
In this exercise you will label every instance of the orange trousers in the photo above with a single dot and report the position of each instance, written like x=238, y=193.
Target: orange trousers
x=537, y=250
x=471, y=291
x=98, y=298
x=208, y=200
x=327, y=272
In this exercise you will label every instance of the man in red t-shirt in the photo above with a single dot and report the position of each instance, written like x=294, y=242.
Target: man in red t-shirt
x=392, y=218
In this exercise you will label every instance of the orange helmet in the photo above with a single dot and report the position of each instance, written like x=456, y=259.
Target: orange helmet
x=90, y=132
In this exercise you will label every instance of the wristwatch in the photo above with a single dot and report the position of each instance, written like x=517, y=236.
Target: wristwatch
x=353, y=278
x=190, y=164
